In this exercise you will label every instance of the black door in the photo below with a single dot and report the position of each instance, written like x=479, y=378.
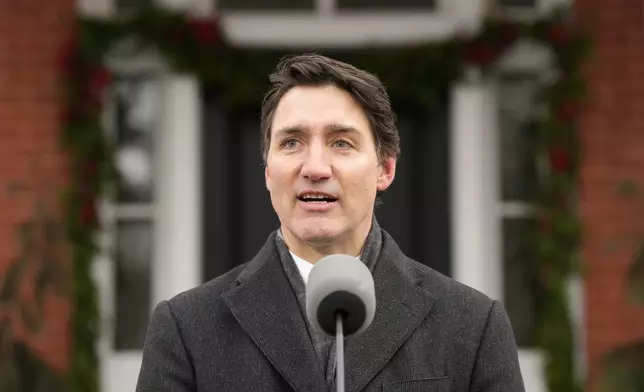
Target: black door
x=238, y=215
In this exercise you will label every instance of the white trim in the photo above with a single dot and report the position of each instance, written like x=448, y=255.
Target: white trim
x=314, y=31
x=118, y=369
x=178, y=259
x=326, y=27
x=476, y=210
x=121, y=372
x=175, y=213
x=532, y=363
x=474, y=178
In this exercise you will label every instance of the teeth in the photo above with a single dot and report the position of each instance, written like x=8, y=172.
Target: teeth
x=316, y=197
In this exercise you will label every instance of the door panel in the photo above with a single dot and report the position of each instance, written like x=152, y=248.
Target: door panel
x=238, y=215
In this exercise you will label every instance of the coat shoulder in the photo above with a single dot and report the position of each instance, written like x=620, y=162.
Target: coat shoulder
x=457, y=300
x=205, y=298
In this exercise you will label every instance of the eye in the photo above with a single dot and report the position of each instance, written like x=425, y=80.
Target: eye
x=343, y=144
x=289, y=143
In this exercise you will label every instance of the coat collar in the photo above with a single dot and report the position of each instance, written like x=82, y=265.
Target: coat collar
x=264, y=304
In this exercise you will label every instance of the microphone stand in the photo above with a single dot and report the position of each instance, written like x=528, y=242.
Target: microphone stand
x=339, y=345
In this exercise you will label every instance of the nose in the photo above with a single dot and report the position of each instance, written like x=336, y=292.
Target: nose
x=316, y=166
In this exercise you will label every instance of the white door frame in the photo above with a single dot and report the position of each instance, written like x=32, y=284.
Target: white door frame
x=175, y=212
x=476, y=213
x=176, y=209
x=177, y=261
x=477, y=208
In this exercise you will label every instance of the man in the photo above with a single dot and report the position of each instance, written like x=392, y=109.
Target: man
x=330, y=146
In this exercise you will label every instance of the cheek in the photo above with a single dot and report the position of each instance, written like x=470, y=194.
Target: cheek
x=361, y=185
x=280, y=182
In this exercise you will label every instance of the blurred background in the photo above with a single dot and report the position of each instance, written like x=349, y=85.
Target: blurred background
x=190, y=203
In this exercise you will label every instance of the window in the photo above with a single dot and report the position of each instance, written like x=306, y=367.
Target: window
x=263, y=5
x=517, y=3
x=389, y=5
x=135, y=116
x=518, y=174
x=125, y=5
x=517, y=98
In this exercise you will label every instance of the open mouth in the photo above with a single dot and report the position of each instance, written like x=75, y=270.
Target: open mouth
x=316, y=198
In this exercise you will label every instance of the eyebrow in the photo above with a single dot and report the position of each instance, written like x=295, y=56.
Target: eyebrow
x=331, y=128
x=339, y=128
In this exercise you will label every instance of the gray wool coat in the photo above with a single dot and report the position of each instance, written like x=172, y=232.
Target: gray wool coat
x=245, y=331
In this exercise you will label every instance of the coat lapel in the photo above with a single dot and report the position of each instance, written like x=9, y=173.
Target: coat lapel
x=266, y=307
x=401, y=306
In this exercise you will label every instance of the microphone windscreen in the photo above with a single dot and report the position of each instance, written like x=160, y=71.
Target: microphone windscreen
x=340, y=284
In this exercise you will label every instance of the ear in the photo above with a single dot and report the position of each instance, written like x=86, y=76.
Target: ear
x=387, y=174
x=267, y=178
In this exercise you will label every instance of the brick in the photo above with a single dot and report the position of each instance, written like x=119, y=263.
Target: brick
x=611, y=135
x=31, y=34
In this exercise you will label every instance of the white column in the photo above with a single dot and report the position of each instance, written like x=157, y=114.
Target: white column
x=178, y=258
x=476, y=235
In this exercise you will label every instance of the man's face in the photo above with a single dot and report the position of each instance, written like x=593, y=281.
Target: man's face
x=322, y=169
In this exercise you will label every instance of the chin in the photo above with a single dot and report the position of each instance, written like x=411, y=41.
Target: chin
x=316, y=230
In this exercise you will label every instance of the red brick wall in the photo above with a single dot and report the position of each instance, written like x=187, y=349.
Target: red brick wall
x=31, y=32
x=612, y=136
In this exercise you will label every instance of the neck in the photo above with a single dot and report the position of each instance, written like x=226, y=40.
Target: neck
x=312, y=251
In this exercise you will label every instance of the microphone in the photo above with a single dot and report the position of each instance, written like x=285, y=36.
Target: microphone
x=340, y=301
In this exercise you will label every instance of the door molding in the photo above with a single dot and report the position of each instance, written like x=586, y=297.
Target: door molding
x=176, y=260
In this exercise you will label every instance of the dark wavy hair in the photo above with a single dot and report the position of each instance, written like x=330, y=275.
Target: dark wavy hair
x=316, y=70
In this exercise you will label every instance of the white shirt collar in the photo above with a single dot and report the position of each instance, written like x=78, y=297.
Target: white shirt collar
x=303, y=266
